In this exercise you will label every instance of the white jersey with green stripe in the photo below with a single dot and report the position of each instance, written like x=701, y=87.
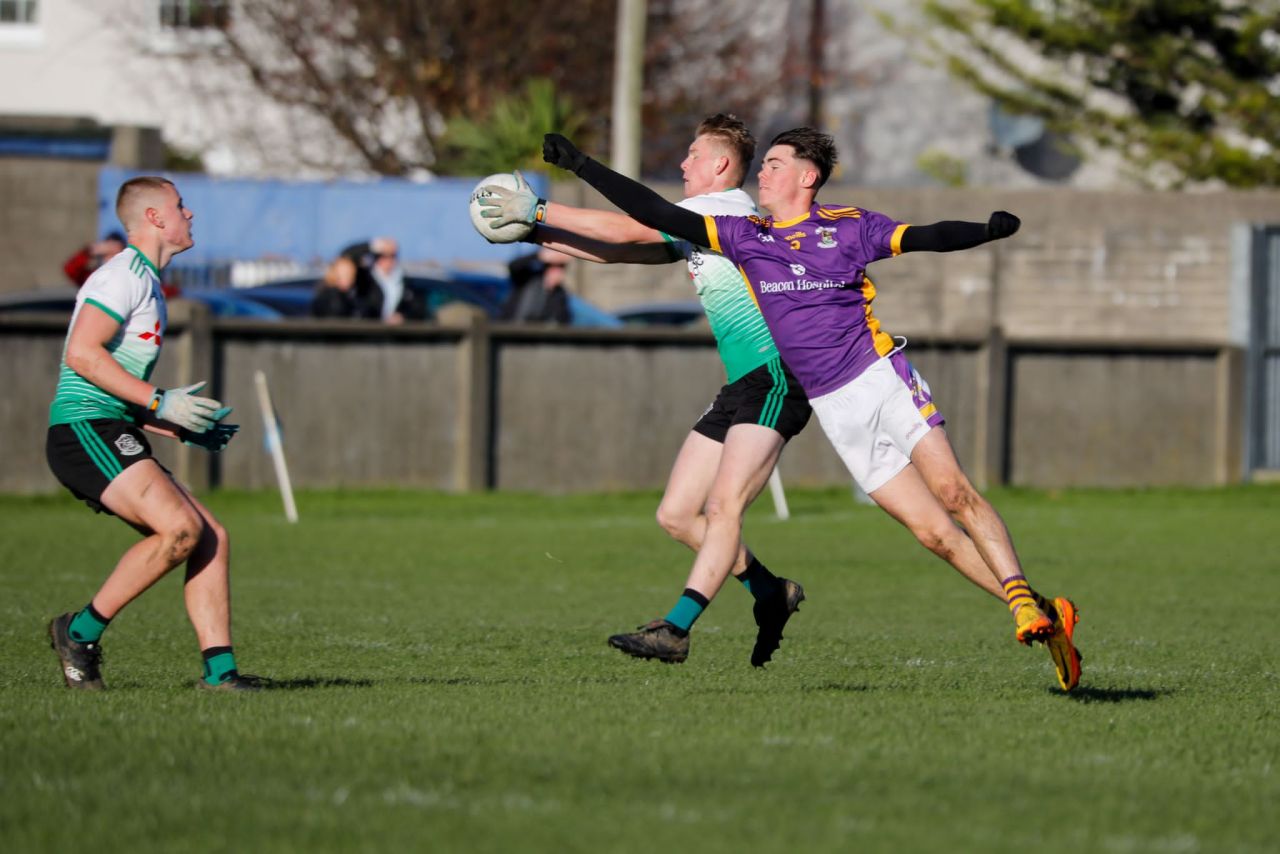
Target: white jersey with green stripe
x=127, y=288
x=741, y=334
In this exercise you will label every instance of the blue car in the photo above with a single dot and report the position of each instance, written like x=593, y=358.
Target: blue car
x=223, y=303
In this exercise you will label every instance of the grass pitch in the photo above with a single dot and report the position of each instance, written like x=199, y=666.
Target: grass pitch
x=444, y=685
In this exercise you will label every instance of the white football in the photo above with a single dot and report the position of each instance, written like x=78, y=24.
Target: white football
x=509, y=233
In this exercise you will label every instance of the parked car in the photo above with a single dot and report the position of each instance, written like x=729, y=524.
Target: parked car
x=222, y=303
x=662, y=314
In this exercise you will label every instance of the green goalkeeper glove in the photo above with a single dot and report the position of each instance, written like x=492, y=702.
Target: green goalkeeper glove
x=182, y=407
x=212, y=440
x=505, y=206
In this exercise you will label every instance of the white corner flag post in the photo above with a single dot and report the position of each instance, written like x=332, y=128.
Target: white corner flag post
x=779, y=497
x=275, y=446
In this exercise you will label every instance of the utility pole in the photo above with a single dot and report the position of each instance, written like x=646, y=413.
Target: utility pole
x=628, y=83
x=817, y=71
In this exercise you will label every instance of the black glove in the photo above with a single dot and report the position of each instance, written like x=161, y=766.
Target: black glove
x=559, y=151
x=1002, y=224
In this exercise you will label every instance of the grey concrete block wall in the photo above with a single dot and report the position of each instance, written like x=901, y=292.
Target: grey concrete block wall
x=458, y=408
x=48, y=210
x=1084, y=421
x=1085, y=264
x=596, y=416
x=29, y=361
x=353, y=413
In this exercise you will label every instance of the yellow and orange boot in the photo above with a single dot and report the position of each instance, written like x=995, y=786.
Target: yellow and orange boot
x=1061, y=643
x=1033, y=624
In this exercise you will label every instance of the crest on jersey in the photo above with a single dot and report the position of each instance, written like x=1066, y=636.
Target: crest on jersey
x=826, y=237
x=798, y=269
x=128, y=446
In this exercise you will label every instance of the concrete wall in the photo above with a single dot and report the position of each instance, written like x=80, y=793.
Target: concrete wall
x=1085, y=264
x=48, y=210
x=470, y=406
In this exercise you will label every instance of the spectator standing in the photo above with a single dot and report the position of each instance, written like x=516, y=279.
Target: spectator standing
x=336, y=294
x=381, y=291
x=92, y=256
x=537, y=289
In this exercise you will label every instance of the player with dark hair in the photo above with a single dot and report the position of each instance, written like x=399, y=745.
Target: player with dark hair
x=729, y=454
x=806, y=266
x=97, y=448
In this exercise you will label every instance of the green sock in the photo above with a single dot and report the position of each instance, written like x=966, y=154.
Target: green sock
x=88, y=625
x=219, y=664
x=759, y=581
x=687, y=610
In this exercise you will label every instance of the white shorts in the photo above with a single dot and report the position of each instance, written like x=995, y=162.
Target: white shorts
x=875, y=420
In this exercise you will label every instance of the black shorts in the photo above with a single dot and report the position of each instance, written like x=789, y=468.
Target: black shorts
x=769, y=396
x=85, y=456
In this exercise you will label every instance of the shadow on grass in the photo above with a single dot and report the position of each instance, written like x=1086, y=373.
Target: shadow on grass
x=1114, y=695
x=317, y=682
x=845, y=687
x=472, y=681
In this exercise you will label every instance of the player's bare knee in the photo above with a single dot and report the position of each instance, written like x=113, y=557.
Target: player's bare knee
x=676, y=523
x=720, y=509
x=182, y=537
x=940, y=541
x=959, y=497
x=180, y=543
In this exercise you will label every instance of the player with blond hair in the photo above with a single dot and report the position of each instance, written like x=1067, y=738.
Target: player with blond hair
x=97, y=447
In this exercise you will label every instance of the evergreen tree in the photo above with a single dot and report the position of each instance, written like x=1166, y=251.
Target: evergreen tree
x=1184, y=90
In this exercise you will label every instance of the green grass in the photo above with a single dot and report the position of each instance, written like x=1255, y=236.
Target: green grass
x=446, y=685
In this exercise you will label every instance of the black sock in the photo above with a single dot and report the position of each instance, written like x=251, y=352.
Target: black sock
x=758, y=580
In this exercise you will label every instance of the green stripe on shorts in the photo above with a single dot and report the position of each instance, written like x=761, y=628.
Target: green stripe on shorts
x=97, y=450
x=773, y=400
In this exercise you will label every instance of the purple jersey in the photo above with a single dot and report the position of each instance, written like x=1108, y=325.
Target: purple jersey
x=809, y=279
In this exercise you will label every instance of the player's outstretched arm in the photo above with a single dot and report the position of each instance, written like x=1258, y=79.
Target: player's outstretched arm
x=503, y=206
x=604, y=253
x=951, y=235
x=632, y=197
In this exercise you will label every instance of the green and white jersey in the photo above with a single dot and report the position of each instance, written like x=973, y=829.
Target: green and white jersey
x=741, y=334
x=127, y=287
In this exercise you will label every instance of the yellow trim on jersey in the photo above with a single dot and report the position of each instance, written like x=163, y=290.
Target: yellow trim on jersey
x=713, y=235
x=881, y=340
x=928, y=409
x=777, y=223
x=750, y=290
x=895, y=243
x=840, y=213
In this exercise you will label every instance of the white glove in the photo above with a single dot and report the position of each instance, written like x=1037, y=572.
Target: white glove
x=181, y=406
x=505, y=206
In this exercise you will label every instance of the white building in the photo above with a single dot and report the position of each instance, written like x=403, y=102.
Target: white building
x=129, y=63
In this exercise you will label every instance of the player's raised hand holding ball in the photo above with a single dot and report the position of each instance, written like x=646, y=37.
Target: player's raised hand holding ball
x=504, y=209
